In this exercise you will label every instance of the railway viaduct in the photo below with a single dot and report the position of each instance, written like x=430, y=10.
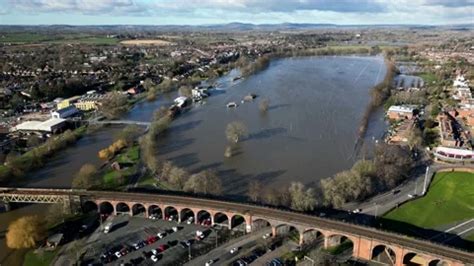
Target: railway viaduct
x=367, y=243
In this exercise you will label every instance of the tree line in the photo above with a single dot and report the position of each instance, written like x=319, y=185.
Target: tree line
x=18, y=166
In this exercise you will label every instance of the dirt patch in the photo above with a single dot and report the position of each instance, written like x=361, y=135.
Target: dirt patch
x=147, y=42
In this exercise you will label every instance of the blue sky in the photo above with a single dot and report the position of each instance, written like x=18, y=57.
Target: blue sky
x=194, y=12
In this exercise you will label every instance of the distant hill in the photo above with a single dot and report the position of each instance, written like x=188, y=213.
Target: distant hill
x=234, y=26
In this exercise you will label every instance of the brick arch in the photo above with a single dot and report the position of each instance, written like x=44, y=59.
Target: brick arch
x=187, y=213
x=169, y=210
x=237, y=219
x=90, y=206
x=383, y=252
x=138, y=209
x=204, y=217
x=105, y=207
x=122, y=207
x=217, y=217
x=438, y=262
x=154, y=209
x=309, y=235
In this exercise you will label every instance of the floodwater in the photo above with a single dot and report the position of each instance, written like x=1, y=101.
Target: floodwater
x=309, y=131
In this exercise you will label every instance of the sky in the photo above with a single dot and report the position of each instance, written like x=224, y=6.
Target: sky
x=199, y=12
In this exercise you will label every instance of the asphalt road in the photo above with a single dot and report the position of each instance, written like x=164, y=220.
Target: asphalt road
x=222, y=254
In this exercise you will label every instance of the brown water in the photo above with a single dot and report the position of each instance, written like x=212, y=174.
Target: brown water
x=308, y=133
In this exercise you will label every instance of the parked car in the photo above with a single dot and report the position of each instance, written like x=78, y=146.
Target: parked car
x=154, y=258
x=267, y=235
x=234, y=250
x=357, y=211
x=210, y=262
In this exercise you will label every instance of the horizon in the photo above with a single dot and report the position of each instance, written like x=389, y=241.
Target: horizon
x=218, y=12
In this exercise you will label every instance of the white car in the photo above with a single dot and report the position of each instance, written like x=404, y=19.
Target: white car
x=267, y=235
x=175, y=228
x=209, y=262
x=234, y=250
x=154, y=258
x=118, y=254
x=357, y=211
x=154, y=251
x=190, y=220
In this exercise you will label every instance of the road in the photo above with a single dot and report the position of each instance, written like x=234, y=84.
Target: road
x=222, y=254
x=382, y=203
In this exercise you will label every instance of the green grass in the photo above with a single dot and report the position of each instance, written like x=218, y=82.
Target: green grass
x=429, y=78
x=33, y=259
x=340, y=248
x=20, y=38
x=449, y=199
x=129, y=155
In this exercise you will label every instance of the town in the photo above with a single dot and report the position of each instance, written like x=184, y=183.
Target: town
x=235, y=143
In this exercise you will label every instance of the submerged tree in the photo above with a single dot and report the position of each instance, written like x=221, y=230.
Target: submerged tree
x=235, y=131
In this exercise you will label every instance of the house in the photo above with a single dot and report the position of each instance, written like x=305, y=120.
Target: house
x=400, y=112
x=53, y=125
x=65, y=112
x=134, y=90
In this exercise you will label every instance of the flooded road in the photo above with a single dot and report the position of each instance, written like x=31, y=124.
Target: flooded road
x=308, y=133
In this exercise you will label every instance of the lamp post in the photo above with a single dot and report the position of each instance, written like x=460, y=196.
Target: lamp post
x=426, y=180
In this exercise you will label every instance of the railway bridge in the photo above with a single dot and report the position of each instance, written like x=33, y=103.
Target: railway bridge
x=368, y=244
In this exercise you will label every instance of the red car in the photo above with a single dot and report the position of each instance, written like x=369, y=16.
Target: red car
x=162, y=248
x=151, y=240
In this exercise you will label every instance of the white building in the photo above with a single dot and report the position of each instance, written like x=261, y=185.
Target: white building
x=52, y=125
x=65, y=112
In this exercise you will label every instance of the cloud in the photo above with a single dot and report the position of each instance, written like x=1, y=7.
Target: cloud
x=78, y=6
x=450, y=3
x=260, y=6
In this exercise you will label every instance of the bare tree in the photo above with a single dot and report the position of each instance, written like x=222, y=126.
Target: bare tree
x=204, y=182
x=302, y=199
x=235, y=131
x=263, y=105
x=255, y=190
x=86, y=177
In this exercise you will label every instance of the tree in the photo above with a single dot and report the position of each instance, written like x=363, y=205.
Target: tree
x=25, y=232
x=235, y=131
x=177, y=177
x=263, y=106
x=129, y=134
x=86, y=177
x=302, y=199
x=415, y=138
x=114, y=106
x=255, y=190
x=185, y=91
x=204, y=182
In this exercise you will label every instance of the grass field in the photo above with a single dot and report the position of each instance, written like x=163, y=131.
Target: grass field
x=33, y=259
x=33, y=38
x=450, y=198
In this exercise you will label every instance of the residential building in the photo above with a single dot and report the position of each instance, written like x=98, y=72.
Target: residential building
x=454, y=154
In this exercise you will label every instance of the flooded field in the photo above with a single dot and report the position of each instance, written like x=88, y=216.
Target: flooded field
x=308, y=133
